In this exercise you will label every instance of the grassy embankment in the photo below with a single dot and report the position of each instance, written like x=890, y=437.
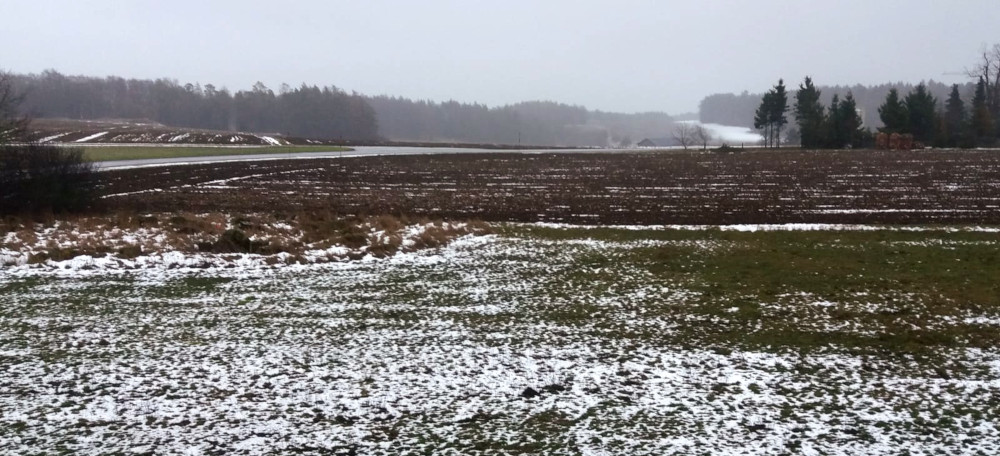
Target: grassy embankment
x=109, y=153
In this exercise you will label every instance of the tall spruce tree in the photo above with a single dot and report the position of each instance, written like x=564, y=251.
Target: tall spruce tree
x=921, y=107
x=954, y=119
x=832, y=125
x=982, y=121
x=893, y=114
x=848, y=123
x=776, y=113
x=809, y=115
x=770, y=117
x=761, y=118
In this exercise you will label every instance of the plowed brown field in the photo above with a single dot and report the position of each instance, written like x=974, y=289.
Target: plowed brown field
x=905, y=187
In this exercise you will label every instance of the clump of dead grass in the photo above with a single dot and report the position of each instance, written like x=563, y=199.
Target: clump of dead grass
x=129, y=235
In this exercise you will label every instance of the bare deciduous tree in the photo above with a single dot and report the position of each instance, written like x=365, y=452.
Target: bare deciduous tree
x=13, y=125
x=683, y=134
x=703, y=135
x=989, y=70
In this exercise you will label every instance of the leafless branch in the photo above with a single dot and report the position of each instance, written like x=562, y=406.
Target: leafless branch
x=683, y=134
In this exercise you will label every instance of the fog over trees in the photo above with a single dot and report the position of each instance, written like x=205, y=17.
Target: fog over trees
x=330, y=113
x=739, y=110
x=540, y=123
x=305, y=111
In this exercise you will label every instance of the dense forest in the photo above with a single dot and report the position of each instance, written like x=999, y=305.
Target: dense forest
x=739, y=110
x=330, y=113
x=306, y=111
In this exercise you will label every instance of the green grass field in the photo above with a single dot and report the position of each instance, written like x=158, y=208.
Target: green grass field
x=110, y=153
x=883, y=291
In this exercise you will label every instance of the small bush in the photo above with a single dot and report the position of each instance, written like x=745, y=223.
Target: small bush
x=389, y=223
x=35, y=178
x=384, y=245
x=234, y=241
x=191, y=224
x=432, y=237
x=725, y=149
x=130, y=251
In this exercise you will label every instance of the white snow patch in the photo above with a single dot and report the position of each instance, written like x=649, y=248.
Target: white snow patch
x=729, y=134
x=50, y=138
x=91, y=137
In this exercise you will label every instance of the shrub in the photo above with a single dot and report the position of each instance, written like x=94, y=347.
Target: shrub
x=725, y=149
x=234, y=240
x=36, y=178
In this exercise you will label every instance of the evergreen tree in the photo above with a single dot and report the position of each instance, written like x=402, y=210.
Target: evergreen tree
x=982, y=121
x=777, y=110
x=954, y=119
x=770, y=115
x=832, y=127
x=809, y=115
x=893, y=114
x=762, y=118
x=921, y=107
x=848, y=123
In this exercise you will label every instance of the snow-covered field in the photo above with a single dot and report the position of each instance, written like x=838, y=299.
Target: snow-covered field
x=504, y=344
x=132, y=132
x=730, y=134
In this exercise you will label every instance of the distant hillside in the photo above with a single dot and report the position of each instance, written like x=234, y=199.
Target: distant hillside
x=306, y=111
x=326, y=113
x=134, y=132
x=732, y=109
x=542, y=123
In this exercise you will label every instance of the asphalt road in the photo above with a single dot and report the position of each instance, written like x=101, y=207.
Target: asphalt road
x=359, y=151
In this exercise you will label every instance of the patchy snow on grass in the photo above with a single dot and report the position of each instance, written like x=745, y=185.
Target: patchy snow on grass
x=772, y=227
x=488, y=345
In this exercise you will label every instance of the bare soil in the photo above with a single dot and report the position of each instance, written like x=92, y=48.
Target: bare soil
x=892, y=187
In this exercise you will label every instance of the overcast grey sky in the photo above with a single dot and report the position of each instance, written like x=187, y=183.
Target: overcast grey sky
x=624, y=55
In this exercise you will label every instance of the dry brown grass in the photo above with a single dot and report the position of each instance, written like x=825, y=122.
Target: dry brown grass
x=382, y=245
x=128, y=235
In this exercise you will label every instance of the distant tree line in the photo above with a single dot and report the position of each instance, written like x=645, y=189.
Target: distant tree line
x=954, y=122
x=330, y=113
x=739, y=109
x=306, y=111
x=540, y=123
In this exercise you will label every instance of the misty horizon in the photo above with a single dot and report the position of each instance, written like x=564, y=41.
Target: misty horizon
x=628, y=57
x=792, y=85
